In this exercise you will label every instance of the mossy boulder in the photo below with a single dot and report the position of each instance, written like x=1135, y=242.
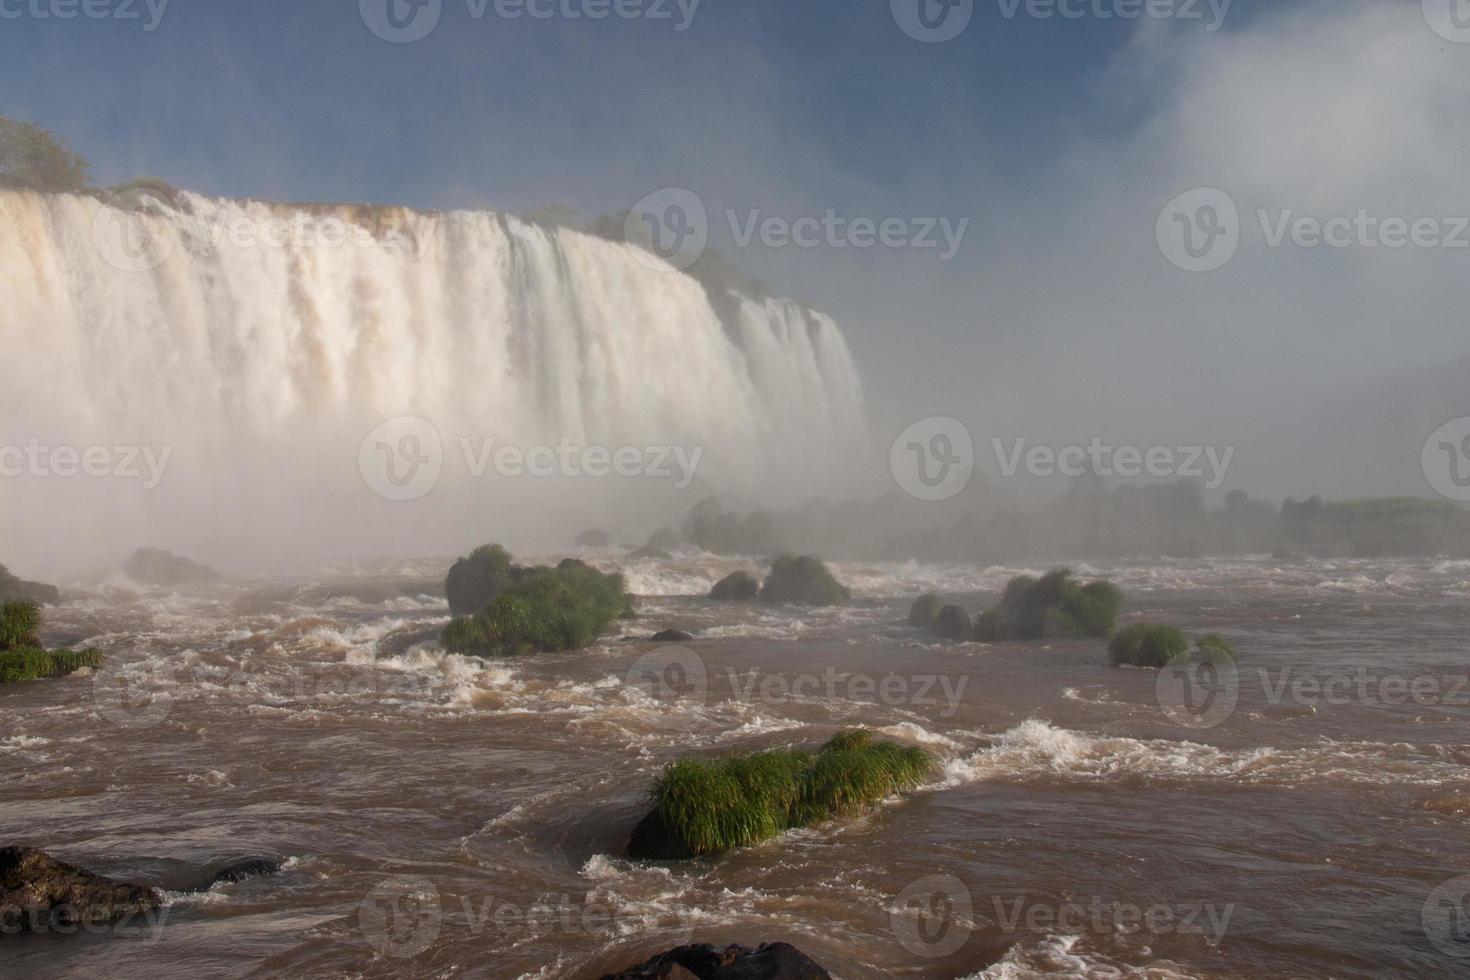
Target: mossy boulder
x=802, y=580
x=737, y=587
x=1147, y=645
x=1051, y=607
x=990, y=627
x=593, y=538
x=925, y=610
x=479, y=577
x=952, y=623
x=703, y=807
x=13, y=589
x=39, y=893
x=543, y=610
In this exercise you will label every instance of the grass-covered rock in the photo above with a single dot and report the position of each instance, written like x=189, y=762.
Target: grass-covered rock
x=708, y=807
x=543, y=610
x=19, y=624
x=737, y=587
x=479, y=577
x=1051, y=607
x=1147, y=645
x=803, y=581
x=13, y=589
x=21, y=656
x=925, y=610
x=952, y=623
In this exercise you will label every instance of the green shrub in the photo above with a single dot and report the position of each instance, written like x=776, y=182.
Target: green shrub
x=543, y=610
x=38, y=159
x=803, y=581
x=924, y=611
x=709, y=807
x=1054, y=605
x=737, y=587
x=952, y=623
x=19, y=624
x=477, y=578
x=1147, y=645
x=990, y=627
x=1214, y=648
x=33, y=663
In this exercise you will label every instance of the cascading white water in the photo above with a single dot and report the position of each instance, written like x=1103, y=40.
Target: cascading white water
x=259, y=344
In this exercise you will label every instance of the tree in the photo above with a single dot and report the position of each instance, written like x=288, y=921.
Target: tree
x=39, y=159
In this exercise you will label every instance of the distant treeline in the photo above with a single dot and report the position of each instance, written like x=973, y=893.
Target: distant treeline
x=1126, y=521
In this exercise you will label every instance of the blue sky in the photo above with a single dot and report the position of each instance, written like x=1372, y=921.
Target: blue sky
x=1058, y=140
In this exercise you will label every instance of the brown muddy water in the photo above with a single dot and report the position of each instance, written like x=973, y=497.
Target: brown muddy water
x=444, y=817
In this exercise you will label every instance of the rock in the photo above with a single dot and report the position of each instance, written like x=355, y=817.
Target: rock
x=649, y=551
x=594, y=538
x=665, y=538
x=38, y=892
x=154, y=566
x=737, y=587
x=769, y=961
x=672, y=636
x=14, y=589
x=237, y=871
x=925, y=610
x=652, y=840
x=952, y=623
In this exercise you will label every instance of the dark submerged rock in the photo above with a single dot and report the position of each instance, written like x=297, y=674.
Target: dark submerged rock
x=654, y=840
x=672, y=636
x=769, y=961
x=36, y=890
x=237, y=871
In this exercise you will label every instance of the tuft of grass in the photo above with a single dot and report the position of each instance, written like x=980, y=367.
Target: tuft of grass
x=33, y=663
x=744, y=799
x=925, y=610
x=1213, y=648
x=952, y=623
x=803, y=581
x=479, y=577
x=543, y=610
x=1147, y=645
x=737, y=587
x=19, y=624
x=1052, y=606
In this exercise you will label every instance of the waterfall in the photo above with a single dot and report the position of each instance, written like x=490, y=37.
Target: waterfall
x=256, y=345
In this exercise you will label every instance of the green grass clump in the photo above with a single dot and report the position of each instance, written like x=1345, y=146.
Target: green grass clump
x=1055, y=605
x=737, y=587
x=19, y=624
x=744, y=799
x=543, y=610
x=479, y=577
x=803, y=581
x=925, y=610
x=33, y=663
x=1213, y=648
x=1147, y=645
x=952, y=623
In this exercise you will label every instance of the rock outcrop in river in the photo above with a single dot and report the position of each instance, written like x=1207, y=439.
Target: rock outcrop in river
x=769, y=961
